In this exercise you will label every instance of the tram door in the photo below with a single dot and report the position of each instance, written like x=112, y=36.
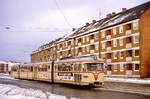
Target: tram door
x=35, y=69
x=77, y=70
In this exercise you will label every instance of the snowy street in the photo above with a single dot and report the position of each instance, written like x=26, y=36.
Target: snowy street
x=22, y=89
x=15, y=92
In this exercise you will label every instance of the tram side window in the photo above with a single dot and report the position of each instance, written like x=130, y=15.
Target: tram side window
x=42, y=68
x=24, y=69
x=31, y=69
x=14, y=69
x=49, y=66
x=77, y=67
x=60, y=67
x=65, y=67
x=56, y=67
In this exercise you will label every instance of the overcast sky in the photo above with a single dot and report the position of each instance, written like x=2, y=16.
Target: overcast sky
x=35, y=22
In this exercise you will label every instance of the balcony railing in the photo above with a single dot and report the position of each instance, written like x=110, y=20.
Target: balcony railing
x=92, y=41
x=61, y=56
x=108, y=60
x=80, y=53
x=79, y=43
x=129, y=59
x=128, y=32
x=92, y=51
x=108, y=37
x=69, y=46
x=108, y=48
x=129, y=73
x=129, y=45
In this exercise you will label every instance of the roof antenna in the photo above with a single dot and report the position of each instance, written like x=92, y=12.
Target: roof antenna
x=99, y=13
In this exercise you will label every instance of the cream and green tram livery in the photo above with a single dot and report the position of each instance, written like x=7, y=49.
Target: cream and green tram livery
x=76, y=71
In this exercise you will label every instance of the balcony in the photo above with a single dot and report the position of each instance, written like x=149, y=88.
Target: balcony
x=61, y=57
x=108, y=37
x=80, y=53
x=108, y=60
x=61, y=48
x=79, y=43
x=108, y=48
x=128, y=32
x=128, y=59
x=128, y=73
x=69, y=46
x=92, y=41
x=92, y=51
x=129, y=45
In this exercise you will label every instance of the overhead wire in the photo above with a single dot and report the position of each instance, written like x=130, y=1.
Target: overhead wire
x=62, y=13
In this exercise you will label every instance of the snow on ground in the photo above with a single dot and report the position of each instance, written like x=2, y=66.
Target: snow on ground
x=15, y=92
x=128, y=80
x=5, y=76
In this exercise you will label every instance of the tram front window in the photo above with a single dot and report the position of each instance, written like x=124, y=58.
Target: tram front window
x=94, y=67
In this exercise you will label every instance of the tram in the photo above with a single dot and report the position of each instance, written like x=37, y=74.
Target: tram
x=77, y=71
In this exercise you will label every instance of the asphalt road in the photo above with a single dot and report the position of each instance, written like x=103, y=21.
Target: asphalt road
x=73, y=91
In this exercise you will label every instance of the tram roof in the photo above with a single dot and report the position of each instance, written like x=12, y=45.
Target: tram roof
x=86, y=60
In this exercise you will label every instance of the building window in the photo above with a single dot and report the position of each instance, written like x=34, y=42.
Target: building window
x=83, y=49
x=136, y=39
x=103, y=34
x=115, y=43
x=136, y=52
x=115, y=55
x=92, y=47
x=121, y=55
x=120, y=29
x=121, y=41
x=96, y=36
x=135, y=25
x=114, y=31
x=96, y=46
x=87, y=48
x=128, y=26
x=136, y=67
x=115, y=67
x=129, y=66
x=122, y=67
x=103, y=45
x=87, y=39
x=84, y=40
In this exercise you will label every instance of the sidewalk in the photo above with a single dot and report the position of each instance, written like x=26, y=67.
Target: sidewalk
x=128, y=80
x=131, y=85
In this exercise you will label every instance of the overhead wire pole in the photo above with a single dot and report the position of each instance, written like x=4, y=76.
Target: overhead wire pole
x=65, y=18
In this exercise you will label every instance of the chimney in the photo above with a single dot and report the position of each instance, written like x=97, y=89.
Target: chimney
x=108, y=15
x=93, y=21
x=113, y=13
x=124, y=9
x=87, y=24
x=73, y=29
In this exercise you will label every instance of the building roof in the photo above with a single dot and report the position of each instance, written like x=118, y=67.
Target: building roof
x=114, y=19
x=122, y=17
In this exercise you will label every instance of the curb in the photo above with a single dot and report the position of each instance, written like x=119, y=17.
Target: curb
x=126, y=91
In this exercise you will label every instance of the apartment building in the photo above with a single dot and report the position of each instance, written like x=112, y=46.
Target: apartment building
x=124, y=42
x=120, y=38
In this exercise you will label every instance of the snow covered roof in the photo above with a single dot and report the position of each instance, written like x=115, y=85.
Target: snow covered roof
x=3, y=62
x=122, y=17
x=115, y=19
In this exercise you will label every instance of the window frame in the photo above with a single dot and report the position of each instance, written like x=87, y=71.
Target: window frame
x=115, y=43
x=134, y=53
x=134, y=67
x=134, y=39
